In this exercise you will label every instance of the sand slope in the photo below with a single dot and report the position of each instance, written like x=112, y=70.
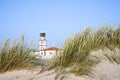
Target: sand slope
x=34, y=75
x=105, y=70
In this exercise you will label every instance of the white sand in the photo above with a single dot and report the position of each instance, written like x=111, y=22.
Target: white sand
x=106, y=71
x=35, y=75
x=103, y=71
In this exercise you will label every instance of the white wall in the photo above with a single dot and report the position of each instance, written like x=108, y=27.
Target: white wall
x=50, y=54
x=46, y=54
x=42, y=44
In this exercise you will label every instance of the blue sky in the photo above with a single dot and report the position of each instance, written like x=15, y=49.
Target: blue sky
x=58, y=18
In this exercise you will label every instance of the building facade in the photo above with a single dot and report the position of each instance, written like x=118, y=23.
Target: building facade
x=44, y=52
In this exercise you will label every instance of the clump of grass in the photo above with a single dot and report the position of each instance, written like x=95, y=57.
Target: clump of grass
x=16, y=55
x=61, y=75
x=113, y=56
x=77, y=49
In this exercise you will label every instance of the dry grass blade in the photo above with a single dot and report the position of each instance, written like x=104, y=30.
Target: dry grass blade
x=77, y=48
x=16, y=56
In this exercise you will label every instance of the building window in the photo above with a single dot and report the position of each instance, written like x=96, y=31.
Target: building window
x=50, y=53
x=41, y=53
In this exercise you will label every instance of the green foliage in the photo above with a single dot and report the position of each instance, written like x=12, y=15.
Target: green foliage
x=16, y=55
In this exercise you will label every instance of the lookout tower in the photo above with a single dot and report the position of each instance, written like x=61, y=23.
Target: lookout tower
x=42, y=41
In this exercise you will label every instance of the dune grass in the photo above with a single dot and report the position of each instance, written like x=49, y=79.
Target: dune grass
x=77, y=49
x=113, y=56
x=16, y=55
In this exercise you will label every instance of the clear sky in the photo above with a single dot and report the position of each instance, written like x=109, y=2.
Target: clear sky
x=58, y=18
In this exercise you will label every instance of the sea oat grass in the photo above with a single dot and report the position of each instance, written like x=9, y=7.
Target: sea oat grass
x=77, y=49
x=113, y=56
x=16, y=56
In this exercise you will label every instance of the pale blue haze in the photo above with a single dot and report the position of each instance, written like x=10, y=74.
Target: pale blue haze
x=58, y=18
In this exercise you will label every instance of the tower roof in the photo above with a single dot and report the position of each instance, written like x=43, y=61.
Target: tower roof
x=42, y=34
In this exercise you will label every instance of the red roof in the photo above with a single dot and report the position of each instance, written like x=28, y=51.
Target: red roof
x=51, y=48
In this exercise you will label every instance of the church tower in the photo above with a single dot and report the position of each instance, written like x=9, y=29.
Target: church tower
x=42, y=41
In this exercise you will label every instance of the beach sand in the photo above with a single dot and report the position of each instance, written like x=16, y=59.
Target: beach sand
x=34, y=75
x=105, y=70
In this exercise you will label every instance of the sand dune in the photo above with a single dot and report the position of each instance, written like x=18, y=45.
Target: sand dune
x=33, y=75
x=105, y=70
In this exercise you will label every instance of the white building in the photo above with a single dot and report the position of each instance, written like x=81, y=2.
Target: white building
x=48, y=52
x=43, y=51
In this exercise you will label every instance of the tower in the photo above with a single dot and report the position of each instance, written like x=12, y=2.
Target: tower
x=42, y=41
